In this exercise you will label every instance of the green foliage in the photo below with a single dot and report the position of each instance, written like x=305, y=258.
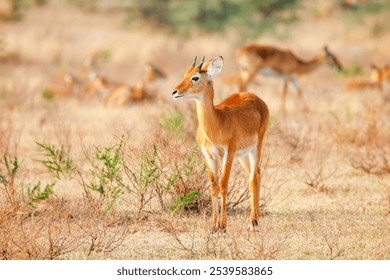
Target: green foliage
x=107, y=175
x=48, y=95
x=149, y=172
x=251, y=16
x=86, y=5
x=173, y=124
x=192, y=161
x=105, y=54
x=351, y=71
x=155, y=12
x=36, y=194
x=185, y=174
x=184, y=201
x=12, y=167
x=56, y=160
x=7, y=180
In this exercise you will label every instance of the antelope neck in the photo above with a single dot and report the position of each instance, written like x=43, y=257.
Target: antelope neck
x=310, y=65
x=207, y=115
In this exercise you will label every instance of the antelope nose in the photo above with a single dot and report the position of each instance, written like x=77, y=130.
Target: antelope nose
x=174, y=92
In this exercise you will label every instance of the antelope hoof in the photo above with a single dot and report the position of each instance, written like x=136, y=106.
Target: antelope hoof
x=219, y=233
x=222, y=233
x=254, y=226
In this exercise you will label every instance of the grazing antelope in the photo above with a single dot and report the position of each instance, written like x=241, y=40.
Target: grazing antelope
x=271, y=61
x=235, y=127
x=124, y=95
x=96, y=87
x=62, y=86
x=375, y=81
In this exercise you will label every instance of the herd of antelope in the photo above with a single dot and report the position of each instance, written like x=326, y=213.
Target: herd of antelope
x=235, y=128
x=252, y=59
x=88, y=84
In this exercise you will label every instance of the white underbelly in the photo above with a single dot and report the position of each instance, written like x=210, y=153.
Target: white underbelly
x=269, y=72
x=246, y=151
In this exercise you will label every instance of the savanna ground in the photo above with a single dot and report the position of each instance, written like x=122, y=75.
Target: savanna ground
x=80, y=180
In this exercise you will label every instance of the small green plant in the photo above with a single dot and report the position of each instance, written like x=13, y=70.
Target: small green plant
x=47, y=95
x=183, y=202
x=352, y=71
x=187, y=173
x=147, y=180
x=36, y=194
x=173, y=124
x=107, y=174
x=56, y=160
x=192, y=161
x=12, y=167
x=7, y=179
x=149, y=171
x=105, y=54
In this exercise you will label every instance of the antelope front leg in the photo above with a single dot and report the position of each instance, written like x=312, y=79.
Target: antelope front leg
x=212, y=169
x=214, y=190
x=226, y=167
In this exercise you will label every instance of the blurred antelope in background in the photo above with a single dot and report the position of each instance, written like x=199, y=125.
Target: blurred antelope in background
x=95, y=86
x=63, y=86
x=235, y=127
x=271, y=61
x=375, y=81
x=123, y=95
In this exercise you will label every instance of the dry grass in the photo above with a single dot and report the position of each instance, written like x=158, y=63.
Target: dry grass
x=326, y=173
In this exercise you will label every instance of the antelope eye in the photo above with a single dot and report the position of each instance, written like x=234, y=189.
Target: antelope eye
x=195, y=79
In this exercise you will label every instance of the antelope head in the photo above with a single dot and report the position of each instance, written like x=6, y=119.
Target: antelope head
x=197, y=78
x=331, y=59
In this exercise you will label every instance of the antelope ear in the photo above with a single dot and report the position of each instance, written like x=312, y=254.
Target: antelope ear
x=214, y=67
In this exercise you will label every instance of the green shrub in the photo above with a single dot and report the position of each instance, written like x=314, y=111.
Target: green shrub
x=36, y=194
x=183, y=202
x=173, y=124
x=7, y=180
x=107, y=174
x=56, y=160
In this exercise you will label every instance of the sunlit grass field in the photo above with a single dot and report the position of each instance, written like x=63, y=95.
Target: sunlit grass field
x=81, y=180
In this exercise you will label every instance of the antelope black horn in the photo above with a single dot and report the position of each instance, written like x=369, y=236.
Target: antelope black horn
x=201, y=64
x=194, y=62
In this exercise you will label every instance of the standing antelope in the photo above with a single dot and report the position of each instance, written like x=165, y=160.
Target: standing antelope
x=235, y=127
x=271, y=61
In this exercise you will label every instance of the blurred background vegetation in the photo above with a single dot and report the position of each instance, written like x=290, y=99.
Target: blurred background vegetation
x=249, y=18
